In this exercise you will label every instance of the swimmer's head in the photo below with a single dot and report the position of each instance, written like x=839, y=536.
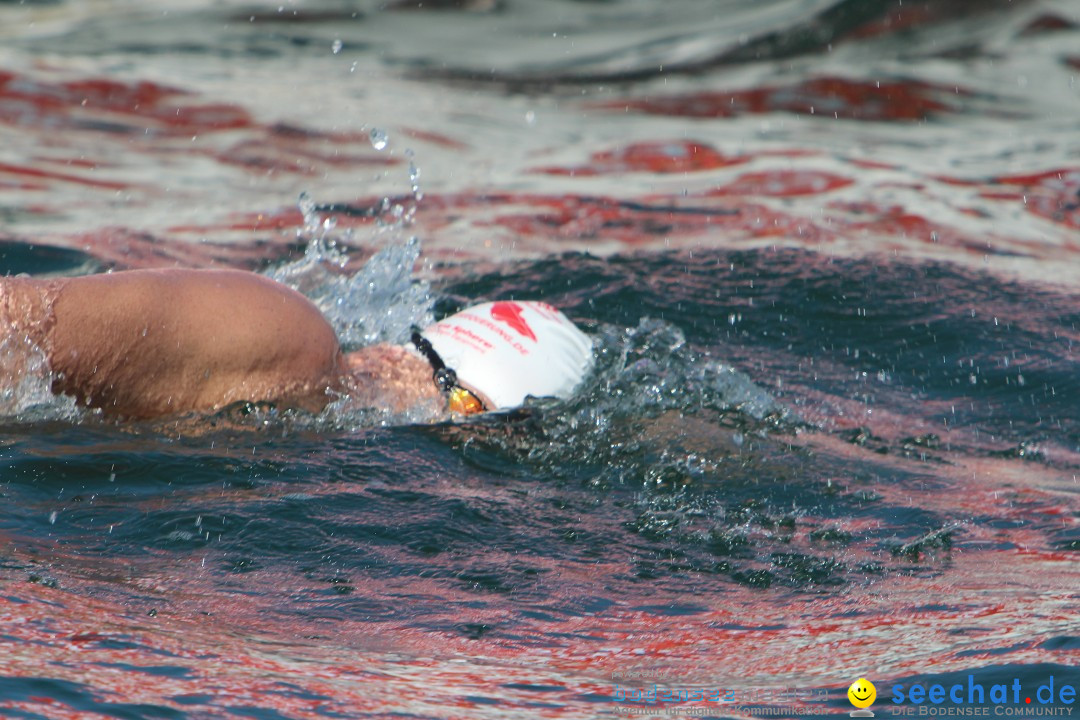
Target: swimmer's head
x=503, y=352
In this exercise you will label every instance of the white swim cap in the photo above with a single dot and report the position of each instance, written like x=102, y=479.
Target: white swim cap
x=506, y=351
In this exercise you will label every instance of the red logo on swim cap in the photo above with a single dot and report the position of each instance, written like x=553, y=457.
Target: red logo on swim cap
x=510, y=313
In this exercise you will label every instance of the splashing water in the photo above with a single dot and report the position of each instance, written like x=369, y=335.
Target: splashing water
x=414, y=177
x=716, y=486
x=380, y=303
x=26, y=384
x=379, y=138
x=622, y=426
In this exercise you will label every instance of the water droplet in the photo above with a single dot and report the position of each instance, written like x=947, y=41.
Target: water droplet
x=336, y=46
x=379, y=138
x=530, y=118
x=52, y=517
x=312, y=220
x=306, y=204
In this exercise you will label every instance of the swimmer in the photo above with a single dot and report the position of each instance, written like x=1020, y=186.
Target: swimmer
x=145, y=344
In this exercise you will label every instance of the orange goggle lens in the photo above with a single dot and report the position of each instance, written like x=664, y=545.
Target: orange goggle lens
x=464, y=402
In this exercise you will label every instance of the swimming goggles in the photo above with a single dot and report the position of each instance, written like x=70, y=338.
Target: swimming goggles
x=461, y=400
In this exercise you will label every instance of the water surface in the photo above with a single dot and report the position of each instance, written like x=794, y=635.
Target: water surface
x=826, y=251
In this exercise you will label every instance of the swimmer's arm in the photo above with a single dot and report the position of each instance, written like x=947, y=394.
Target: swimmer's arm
x=144, y=344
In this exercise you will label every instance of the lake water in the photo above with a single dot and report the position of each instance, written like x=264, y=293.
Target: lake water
x=829, y=253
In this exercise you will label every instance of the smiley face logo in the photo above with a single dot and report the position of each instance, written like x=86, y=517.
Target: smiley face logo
x=862, y=693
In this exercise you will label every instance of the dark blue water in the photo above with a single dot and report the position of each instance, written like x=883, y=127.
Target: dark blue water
x=684, y=482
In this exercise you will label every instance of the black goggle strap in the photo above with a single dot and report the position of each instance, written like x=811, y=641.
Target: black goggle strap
x=445, y=378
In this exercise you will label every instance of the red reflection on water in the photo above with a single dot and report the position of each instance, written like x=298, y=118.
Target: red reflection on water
x=780, y=183
x=1054, y=194
x=1046, y=24
x=115, y=106
x=678, y=156
x=32, y=172
x=895, y=100
x=249, y=643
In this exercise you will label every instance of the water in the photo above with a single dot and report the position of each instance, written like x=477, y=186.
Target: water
x=827, y=254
